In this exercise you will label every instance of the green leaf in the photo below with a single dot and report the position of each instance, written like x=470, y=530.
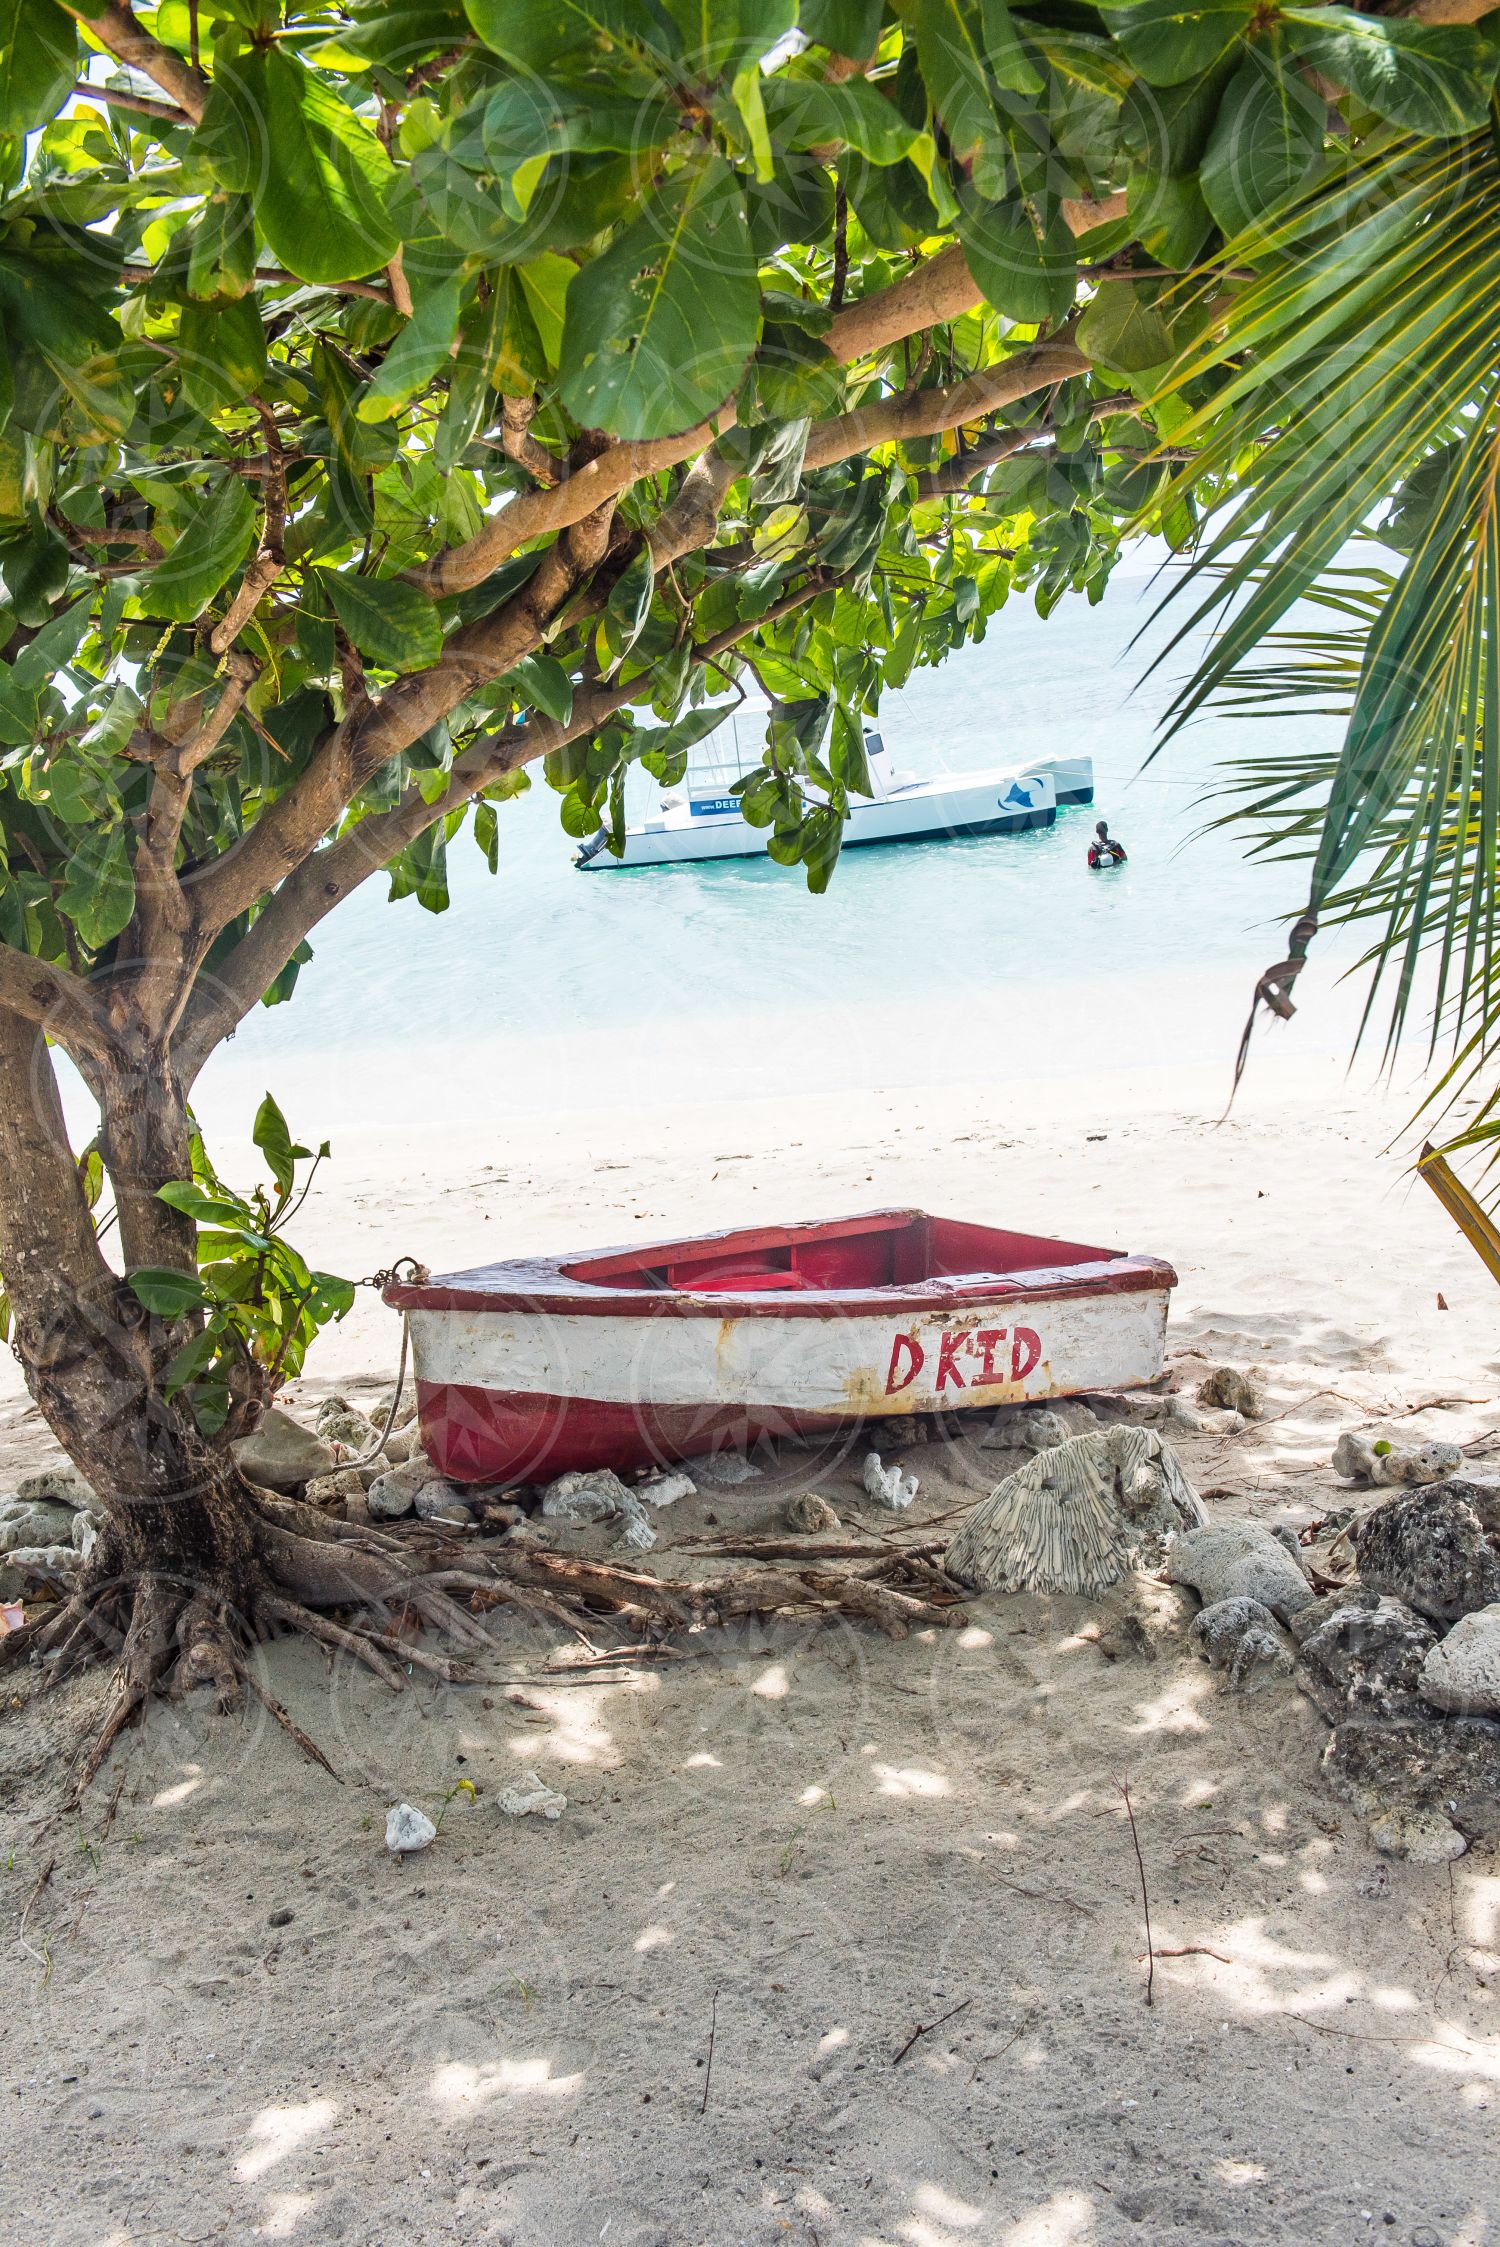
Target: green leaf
x=487, y=835
x=904, y=650
x=34, y=565
x=1267, y=139
x=205, y=556
x=663, y=750
x=271, y=1136
x=393, y=33
x=950, y=50
x=845, y=27
x=418, y=352
x=395, y=626
x=727, y=35
x=1170, y=218
x=1169, y=44
x=38, y=62
x=528, y=117
x=224, y=1210
x=1028, y=272
x=323, y=201
x=660, y=326
x=192, y=1358
x=98, y=887
x=166, y=1294
x=628, y=607
x=846, y=752
x=223, y=352
x=808, y=113
x=541, y=681
x=1434, y=79
x=749, y=102
x=1121, y=330
x=536, y=34
x=221, y=256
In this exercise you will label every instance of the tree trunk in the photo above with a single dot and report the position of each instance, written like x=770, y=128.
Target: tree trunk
x=92, y=1356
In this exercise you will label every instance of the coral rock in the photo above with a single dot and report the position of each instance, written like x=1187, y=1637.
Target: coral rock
x=393, y=1494
x=1410, y=1775
x=1231, y=1391
x=727, y=1468
x=887, y=1485
x=439, y=1501
x=1370, y=1459
x=1239, y=1560
x=1076, y=1517
x=586, y=1498
x=1240, y=1636
x=34, y=1524
x=407, y=1829
x=812, y=1516
x=282, y=1454
x=664, y=1489
x=531, y=1797
x=61, y=1485
x=1439, y=1549
x=1462, y=1672
x=1364, y=1659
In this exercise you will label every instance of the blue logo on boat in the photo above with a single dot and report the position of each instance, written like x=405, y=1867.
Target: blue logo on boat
x=1017, y=795
x=704, y=806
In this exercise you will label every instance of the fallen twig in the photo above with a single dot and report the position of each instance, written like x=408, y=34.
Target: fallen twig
x=114, y=1804
x=1368, y=2036
x=808, y=1549
x=1044, y=1896
x=1191, y=1950
x=925, y=2028
x=42, y=1879
x=617, y=1657
x=1145, y=1898
x=708, y=2072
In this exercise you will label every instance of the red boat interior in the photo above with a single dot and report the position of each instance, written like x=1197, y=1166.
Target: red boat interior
x=889, y=1251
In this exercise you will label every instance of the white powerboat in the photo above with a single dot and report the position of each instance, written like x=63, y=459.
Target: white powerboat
x=702, y=819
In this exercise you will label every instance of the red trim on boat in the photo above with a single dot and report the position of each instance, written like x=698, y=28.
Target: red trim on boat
x=497, y=1435
x=796, y=1271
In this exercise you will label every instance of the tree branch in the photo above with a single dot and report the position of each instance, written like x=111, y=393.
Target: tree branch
x=269, y=560
x=941, y=288
x=166, y=944
x=520, y=446
x=119, y=97
x=927, y=413
x=117, y=31
x=53, y=1000
x=291, y=829
x=956, y=475
x=323, y=881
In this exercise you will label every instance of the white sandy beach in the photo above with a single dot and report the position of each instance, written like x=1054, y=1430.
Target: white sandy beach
x=232, y=2017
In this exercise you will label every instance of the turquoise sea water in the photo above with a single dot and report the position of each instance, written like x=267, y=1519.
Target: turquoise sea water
x=542, y=954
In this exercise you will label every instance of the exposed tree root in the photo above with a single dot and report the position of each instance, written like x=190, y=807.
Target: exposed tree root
x=353, y=1592
x=293, y=1730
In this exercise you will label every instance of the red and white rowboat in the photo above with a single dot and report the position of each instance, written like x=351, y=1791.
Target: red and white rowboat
x=658, y=1352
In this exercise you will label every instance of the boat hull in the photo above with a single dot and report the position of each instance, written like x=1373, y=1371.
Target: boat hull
x=1012, y=802
x=521, y=1395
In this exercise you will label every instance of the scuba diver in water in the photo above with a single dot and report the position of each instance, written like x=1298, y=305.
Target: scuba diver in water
x=1104, y=850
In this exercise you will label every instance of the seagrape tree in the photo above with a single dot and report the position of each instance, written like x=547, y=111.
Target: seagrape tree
x=399, y=398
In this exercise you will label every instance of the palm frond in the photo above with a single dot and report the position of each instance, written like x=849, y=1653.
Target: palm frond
x=1360, y=367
